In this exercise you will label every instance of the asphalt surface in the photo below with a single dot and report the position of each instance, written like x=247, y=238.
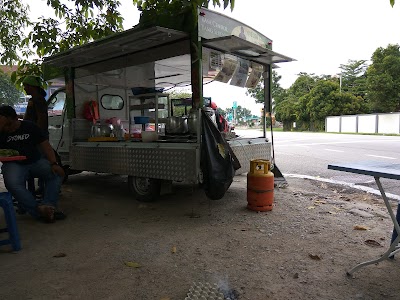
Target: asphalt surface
x=308, y=154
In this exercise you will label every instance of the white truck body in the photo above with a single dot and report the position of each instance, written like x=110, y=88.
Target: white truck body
x=109, y=70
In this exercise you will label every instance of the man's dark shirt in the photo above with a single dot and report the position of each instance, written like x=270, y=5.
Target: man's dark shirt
x=37, y=105
x=25, y=140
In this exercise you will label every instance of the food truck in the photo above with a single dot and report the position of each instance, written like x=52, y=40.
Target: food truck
x=115, y=114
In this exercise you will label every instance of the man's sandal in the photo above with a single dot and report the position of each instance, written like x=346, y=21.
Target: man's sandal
x=46, y=212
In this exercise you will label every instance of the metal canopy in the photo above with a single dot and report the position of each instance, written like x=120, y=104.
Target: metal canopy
x=245, y=49
x=120, y=44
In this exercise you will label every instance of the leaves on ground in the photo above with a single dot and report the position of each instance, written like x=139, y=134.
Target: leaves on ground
x=319, y=202
x=314, y=256
x=132, y=264
x=372, y=243
x=61, y=254
x=360, y=227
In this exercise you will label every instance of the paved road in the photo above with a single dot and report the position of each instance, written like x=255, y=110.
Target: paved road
x=308, y=154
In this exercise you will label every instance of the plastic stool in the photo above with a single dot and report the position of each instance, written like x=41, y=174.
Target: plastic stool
x=7, y=205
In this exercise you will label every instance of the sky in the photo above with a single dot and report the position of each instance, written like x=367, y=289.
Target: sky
x=320, y=34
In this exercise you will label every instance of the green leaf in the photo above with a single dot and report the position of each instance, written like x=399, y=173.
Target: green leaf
x=232, y=4
x=132, y=264
x=14, y=76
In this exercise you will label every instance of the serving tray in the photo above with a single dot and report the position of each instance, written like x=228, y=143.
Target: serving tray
x=12, y=158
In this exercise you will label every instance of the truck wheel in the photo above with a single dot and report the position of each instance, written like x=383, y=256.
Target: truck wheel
x=144, y=189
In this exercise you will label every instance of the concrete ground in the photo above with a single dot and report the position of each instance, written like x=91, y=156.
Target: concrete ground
x=113, y=247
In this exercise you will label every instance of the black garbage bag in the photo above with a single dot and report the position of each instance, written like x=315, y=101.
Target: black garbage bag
x=218, y=162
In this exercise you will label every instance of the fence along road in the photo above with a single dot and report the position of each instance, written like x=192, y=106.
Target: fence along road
x=367, y=123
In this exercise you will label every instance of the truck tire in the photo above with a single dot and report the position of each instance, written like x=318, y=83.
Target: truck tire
x=144, y=189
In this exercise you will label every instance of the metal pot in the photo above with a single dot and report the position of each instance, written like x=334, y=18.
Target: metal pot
x=99, y=130
x=176, y=125
x=193, y=120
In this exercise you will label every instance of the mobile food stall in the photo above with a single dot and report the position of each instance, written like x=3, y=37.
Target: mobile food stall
x=115, y=114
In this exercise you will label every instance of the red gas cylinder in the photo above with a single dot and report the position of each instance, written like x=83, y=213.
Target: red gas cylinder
x=260, y=186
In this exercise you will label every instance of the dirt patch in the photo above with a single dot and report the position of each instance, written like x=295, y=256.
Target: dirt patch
x=113, y=247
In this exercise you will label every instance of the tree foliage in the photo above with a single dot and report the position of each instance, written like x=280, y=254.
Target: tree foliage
x=353, y=77
x=360, y=89
x=13, y=19
x=326, y=100
x=243, y=115
x=276, y=90
x=9, y=94
x=311, y=99
x=74, y=23
x=180, y=110
x=158, y=4
x=383, y=80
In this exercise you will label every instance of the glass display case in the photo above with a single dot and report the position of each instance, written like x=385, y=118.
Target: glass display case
x=148, y=112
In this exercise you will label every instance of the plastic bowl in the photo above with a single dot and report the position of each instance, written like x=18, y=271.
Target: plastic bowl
x=149, y=136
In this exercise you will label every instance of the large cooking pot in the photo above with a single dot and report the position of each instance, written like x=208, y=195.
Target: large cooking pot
x=176, y=125
x=193, y=120
x=100, y=130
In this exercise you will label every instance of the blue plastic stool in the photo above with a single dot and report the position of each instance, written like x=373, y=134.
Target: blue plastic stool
x=7, y=205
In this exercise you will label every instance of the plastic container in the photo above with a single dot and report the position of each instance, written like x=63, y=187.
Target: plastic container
x=149, y=136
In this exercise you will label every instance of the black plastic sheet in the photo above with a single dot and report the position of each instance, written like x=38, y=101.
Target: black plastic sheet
x=218, y=162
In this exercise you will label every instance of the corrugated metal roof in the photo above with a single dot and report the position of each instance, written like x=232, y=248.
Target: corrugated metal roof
x=247, y=50
x=120, y=44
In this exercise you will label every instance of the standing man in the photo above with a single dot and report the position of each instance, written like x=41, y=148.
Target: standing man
x=27, y=138
x=36, y=111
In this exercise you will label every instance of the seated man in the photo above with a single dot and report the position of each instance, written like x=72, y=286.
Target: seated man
x=27, y=138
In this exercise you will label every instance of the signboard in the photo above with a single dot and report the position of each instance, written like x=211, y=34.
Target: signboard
x=255, y=75
x=239, y=78
x=228, y=69
x=214, y=25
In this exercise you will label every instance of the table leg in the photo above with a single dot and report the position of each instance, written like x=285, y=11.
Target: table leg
x=393, y=246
